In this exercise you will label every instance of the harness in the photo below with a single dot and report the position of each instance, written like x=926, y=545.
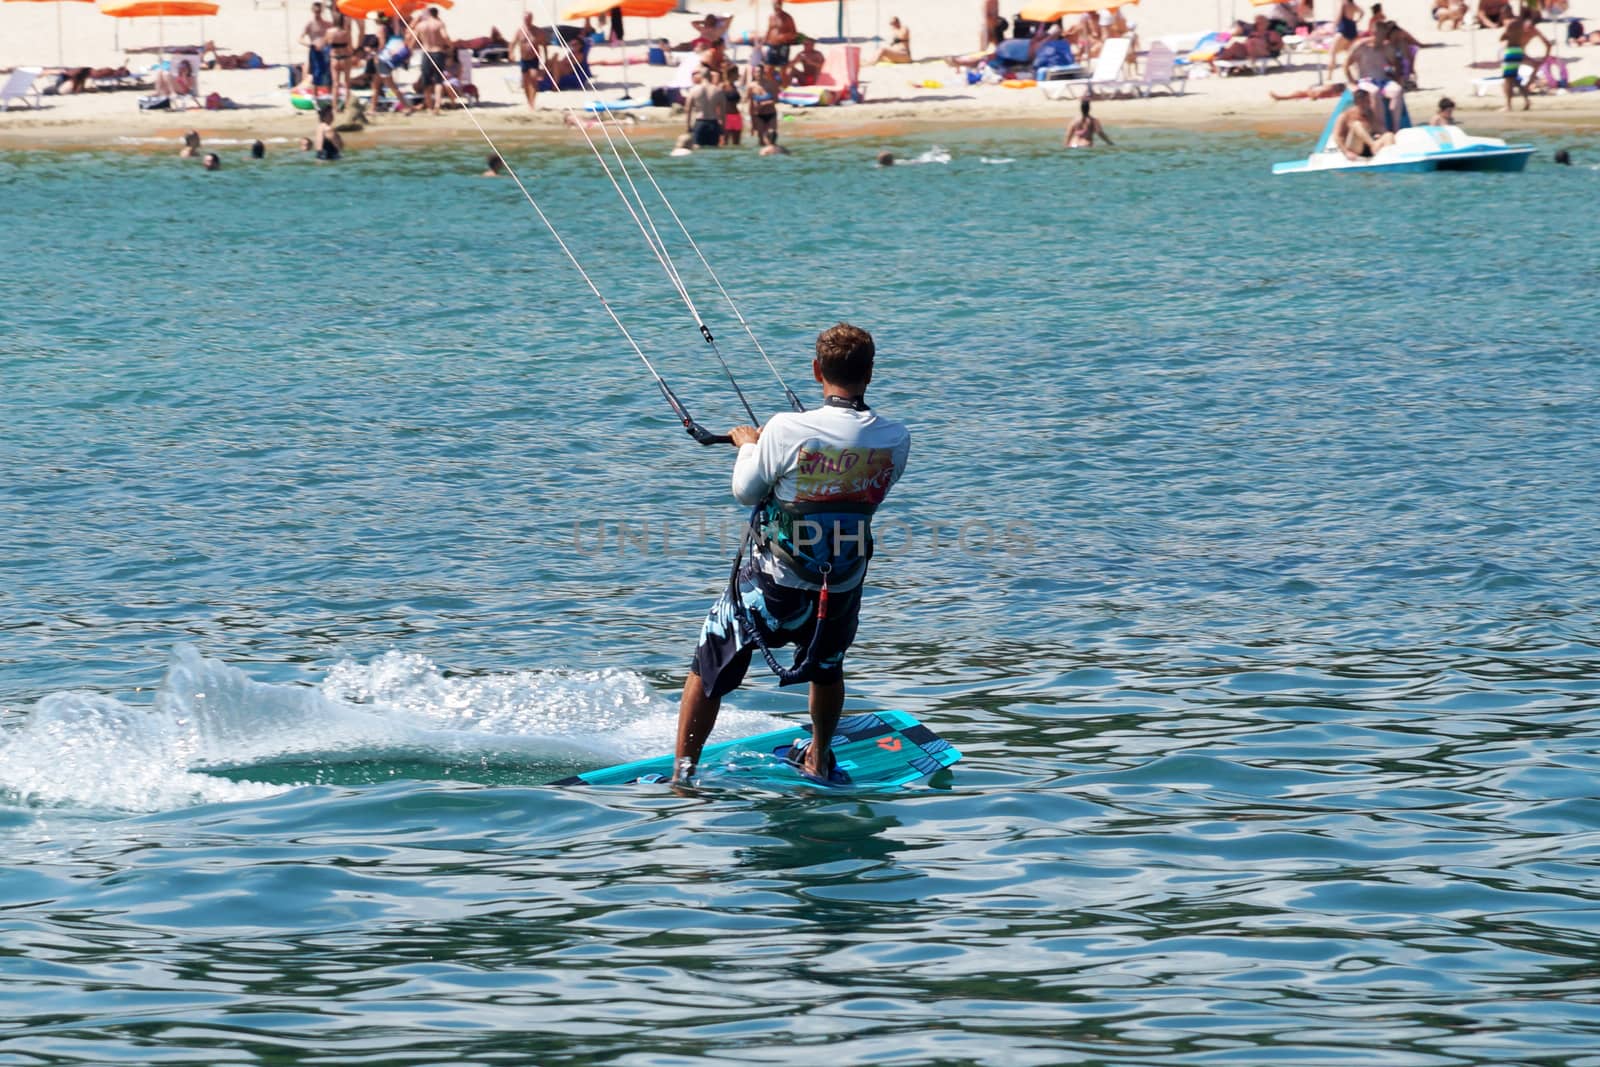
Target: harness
x=818, y=540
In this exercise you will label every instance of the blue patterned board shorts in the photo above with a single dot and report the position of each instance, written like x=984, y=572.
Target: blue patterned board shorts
x=785, y=616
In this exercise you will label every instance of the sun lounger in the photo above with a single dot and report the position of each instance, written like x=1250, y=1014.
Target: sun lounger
x=837, y=81
x=19, y=86
x=1055, y=61
x=683, y=79
x=1161, y=71
x=1106, y=77
x=841, y=71
x=1258, y=64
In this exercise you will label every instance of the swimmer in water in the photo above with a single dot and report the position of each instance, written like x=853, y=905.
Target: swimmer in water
x=886, y=158
x=212, y=162
x=191, y=145
x=1081, y=134
x=258, y=150
x=496, y=166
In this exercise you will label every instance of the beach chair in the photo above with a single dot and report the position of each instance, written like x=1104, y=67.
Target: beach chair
x=1105, y=77
x=1161, y=71
x=1055, y=61
x=838, y=80
x=841, y=72
x=175, y=60
x=19, y=86
x=683, y=78
x=1258, y=64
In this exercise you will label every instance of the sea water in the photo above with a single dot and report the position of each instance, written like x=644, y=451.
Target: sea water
x=1246, y=549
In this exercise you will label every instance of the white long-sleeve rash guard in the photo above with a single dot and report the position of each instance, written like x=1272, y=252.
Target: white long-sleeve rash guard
x=828, y=455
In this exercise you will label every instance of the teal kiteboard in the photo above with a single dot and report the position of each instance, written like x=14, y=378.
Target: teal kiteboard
x=875, y=750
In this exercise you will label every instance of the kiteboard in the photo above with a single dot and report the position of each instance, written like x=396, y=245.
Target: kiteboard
x=874, y=750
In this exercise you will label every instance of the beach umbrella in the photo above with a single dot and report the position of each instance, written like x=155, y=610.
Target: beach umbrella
x=158, y=10
x=1050, y=10
x=639, y=9
x=366, y=9
x=60, y=48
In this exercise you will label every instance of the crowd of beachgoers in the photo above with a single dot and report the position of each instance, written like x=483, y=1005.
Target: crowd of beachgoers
x=355, y=70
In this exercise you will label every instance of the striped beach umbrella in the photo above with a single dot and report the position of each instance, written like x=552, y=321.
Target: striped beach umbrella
x=60, y=47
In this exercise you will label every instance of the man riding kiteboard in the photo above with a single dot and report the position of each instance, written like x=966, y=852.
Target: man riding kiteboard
x=814, y=479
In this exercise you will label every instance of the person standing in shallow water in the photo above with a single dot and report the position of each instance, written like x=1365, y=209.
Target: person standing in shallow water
x=1081, y=134
x=815, y=478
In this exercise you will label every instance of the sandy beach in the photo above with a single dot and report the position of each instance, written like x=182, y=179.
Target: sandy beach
x=898, y=98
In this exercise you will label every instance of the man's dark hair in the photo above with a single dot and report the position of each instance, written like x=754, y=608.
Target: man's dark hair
x=845, y=353
x=257, y=150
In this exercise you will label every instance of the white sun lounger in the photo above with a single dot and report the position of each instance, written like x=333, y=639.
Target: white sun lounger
x=1105, y=77
x=1161, y=71
x=19, y=86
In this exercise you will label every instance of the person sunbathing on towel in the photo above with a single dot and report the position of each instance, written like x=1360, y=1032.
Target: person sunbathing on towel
x=1352, y=131
x=807, y=64
x=898, y=50
x=1326, y=91
x=71, y=80
x=972, y=60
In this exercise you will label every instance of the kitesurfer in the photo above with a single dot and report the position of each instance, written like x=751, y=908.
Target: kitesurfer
x=815, y=478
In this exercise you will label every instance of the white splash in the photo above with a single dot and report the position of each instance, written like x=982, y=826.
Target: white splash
x=89, y=750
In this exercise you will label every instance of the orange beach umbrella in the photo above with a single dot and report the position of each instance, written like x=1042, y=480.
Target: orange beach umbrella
x=159, y=10
x=144, y=9
x=636, y=9
x=366, y=9
x=1050, y=10
x=60, y=49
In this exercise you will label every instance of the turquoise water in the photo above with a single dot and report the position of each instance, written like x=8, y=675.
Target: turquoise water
x=1247, y=555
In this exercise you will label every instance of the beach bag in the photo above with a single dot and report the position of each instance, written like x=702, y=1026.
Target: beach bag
x=154, y=103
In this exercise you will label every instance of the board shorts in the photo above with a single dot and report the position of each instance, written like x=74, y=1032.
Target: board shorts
x=707, y=133
x=785, y=616
x=433, y=69
x=1348, y=29
x=530, y=64
x=734, y=123
x=1511, y=65
x=319, y=62
x=777, y=54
